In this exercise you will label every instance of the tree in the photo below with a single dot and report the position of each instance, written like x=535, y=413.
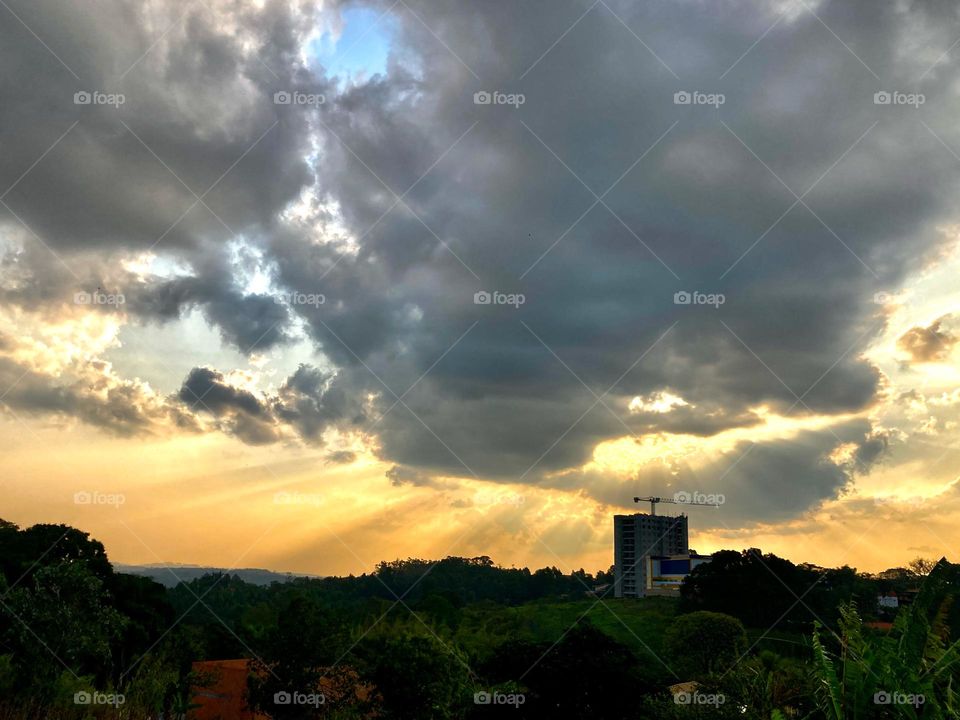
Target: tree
x=22, y=552
x=704, y=642
x=586, y=674
x=440, y=609
x=415, y=677
x=762, y=590
x=295, y=660
x=605, y=577
x=68, y=622
x=144, y=603
x=62, y=621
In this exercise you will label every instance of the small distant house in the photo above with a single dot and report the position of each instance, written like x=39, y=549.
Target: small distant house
x=889, y=600
x=599, y=590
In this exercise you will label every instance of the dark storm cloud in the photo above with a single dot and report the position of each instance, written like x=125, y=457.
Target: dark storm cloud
x=778, y=480
x=871, y=449
x=249, y=322
x=308, y=402
x=312, y=400
x=197, y=139
x=798, y=304
x=196, y=99
x=769, y=480
x=207, y=389
x=711, y=207
x=237, y=411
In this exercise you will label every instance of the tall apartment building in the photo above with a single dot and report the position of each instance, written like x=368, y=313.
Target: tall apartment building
x=635, y=537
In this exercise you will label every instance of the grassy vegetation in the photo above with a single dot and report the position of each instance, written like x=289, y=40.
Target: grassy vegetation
x=638, y=624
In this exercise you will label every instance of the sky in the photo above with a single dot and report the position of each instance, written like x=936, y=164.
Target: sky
x=307, y=286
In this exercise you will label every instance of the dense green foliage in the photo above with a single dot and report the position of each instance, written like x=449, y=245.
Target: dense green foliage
x=765, y=590
x=69, y=624
x=912, y=672
x=705, y=642
x=753, y=637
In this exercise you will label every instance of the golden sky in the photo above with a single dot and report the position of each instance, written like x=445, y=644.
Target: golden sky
x=211, y=499
x=307, y=286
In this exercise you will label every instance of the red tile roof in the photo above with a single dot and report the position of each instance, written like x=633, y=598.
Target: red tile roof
x=226, y=698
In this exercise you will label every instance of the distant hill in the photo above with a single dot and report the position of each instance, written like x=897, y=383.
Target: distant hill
x=171, y=574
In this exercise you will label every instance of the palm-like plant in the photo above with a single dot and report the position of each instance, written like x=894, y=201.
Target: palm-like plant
x=910, y=673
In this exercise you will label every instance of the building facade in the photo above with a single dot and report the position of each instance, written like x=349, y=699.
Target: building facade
x=665, y=574
x=635, y=538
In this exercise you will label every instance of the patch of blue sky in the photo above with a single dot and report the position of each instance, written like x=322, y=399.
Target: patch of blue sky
x=361, y=50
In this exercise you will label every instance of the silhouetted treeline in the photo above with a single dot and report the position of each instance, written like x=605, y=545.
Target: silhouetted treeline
x=460, y=581
x=764, y=590
x=461, y=637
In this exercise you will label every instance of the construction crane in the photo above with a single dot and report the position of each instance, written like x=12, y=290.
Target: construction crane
x=654, y=500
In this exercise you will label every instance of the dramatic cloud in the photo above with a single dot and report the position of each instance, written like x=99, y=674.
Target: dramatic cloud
x=207, y=387
x=929, y=344
x=195, y=140
x=311, y=400
x=95, y=396
x=680, y=231
x=308, y=402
